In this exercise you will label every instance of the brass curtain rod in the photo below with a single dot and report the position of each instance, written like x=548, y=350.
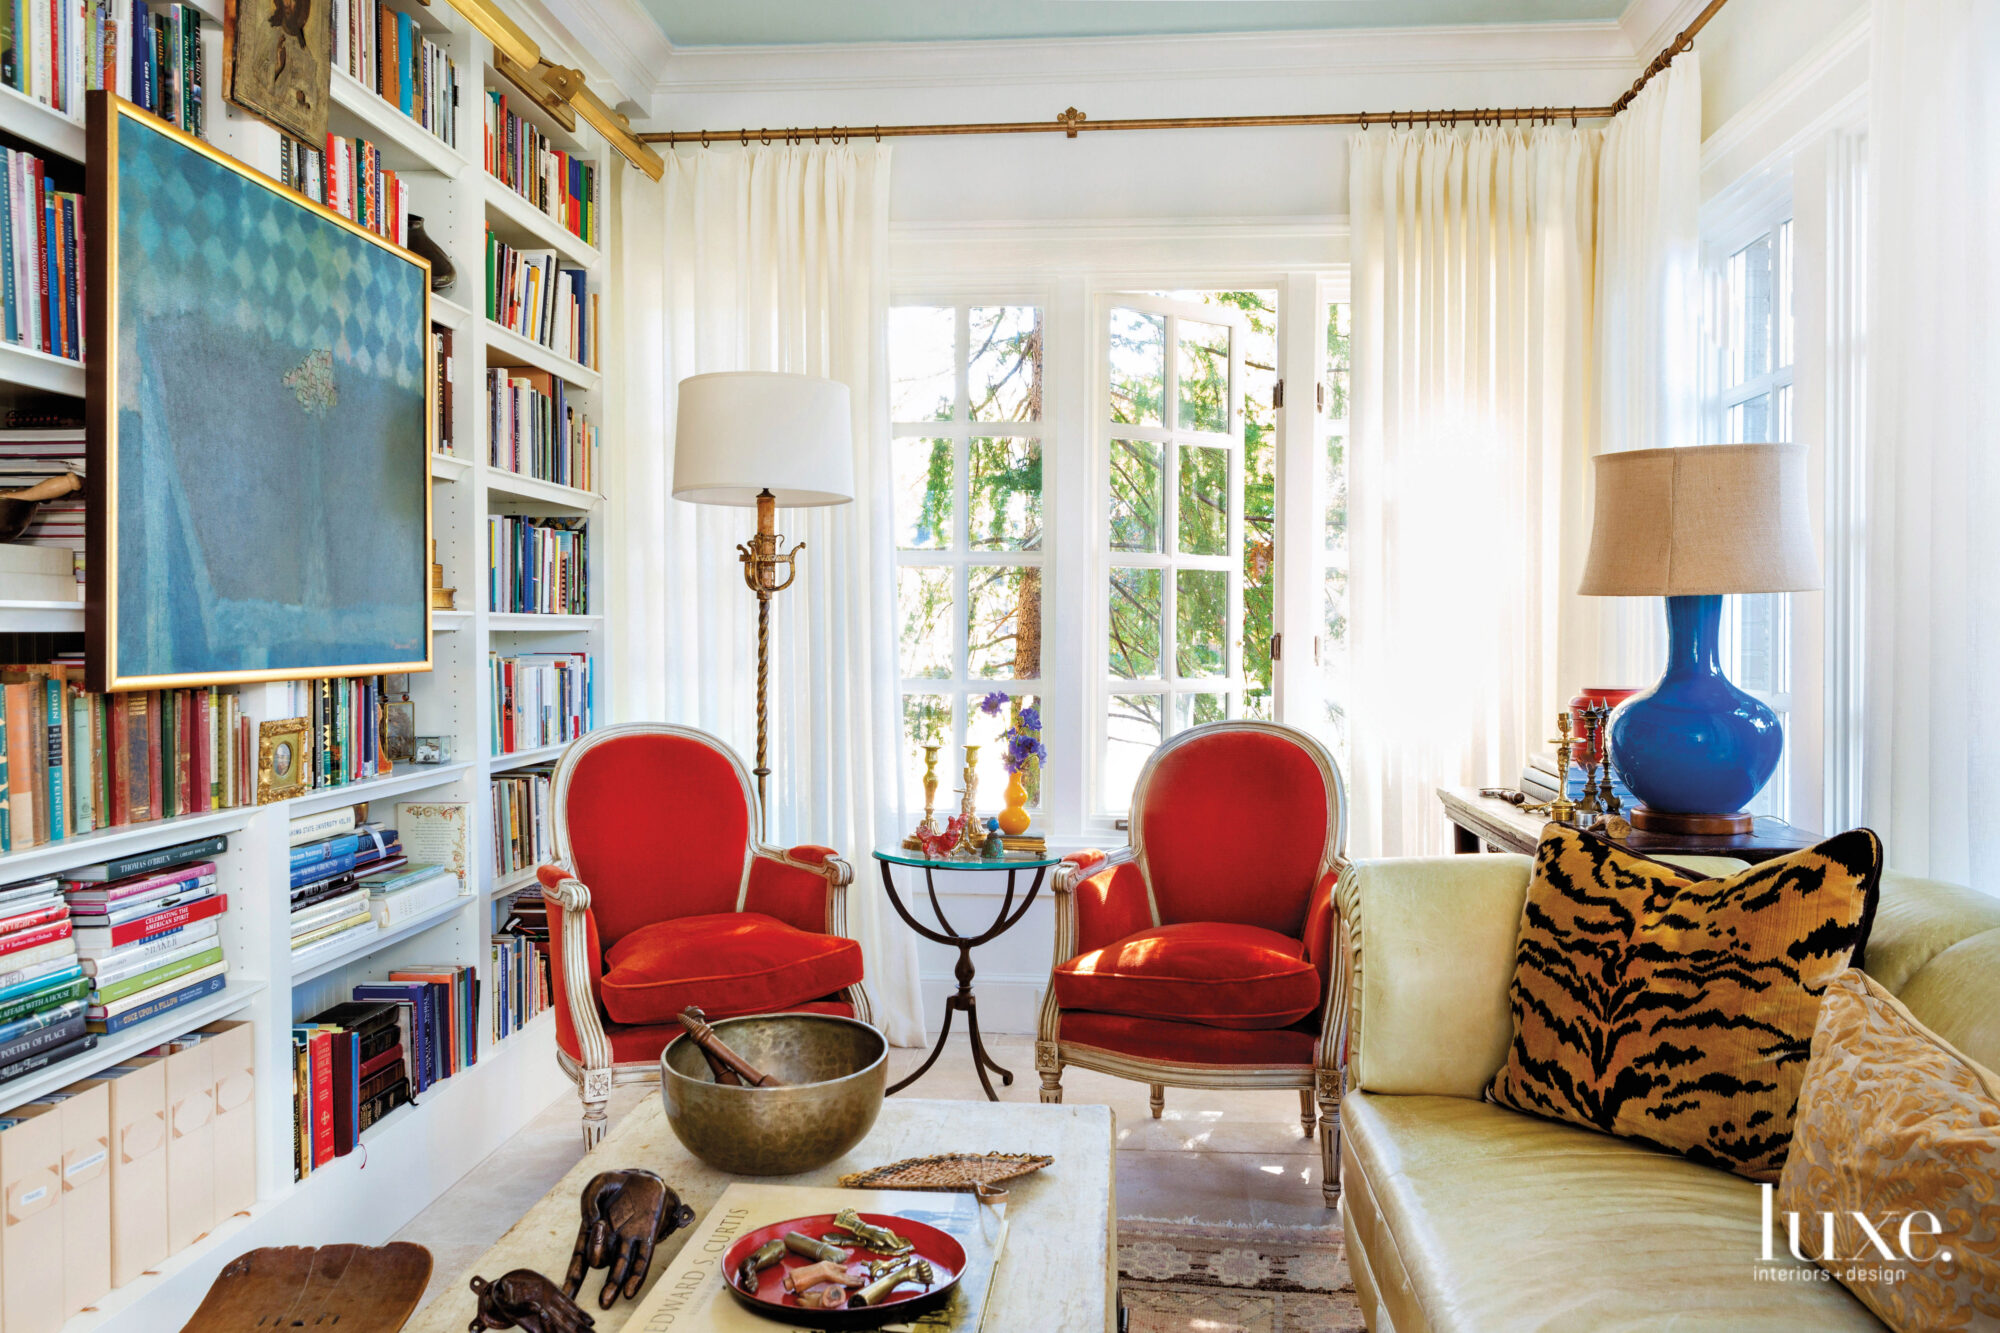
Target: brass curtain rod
x=1072, y=122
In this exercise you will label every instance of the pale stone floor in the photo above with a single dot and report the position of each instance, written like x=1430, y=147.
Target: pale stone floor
x=1216, y=1157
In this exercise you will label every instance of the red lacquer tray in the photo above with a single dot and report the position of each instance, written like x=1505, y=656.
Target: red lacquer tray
x=937, y=1248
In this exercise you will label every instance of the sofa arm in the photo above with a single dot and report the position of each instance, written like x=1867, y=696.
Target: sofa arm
x=1426, y=960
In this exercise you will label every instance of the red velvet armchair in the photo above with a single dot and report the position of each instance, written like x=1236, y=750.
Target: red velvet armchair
x=664, y=898
x=1201, y=955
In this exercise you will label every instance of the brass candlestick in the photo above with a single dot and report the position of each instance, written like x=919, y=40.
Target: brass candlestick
x=1562, y=810
x=1600, y=726
x=762, y=559
x=968, y=835
x=929, y=827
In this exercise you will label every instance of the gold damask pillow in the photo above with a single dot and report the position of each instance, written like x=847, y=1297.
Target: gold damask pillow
x=1675, y=1010
x=1894, y=1123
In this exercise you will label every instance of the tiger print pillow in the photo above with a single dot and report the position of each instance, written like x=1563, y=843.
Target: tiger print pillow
x=1679, y=1011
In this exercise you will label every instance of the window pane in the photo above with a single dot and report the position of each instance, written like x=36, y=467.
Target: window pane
x=1750, y=421
x=1004, y=365
x=1752, y=310
x=1131, y=734
x=984, y=729
x=1784, y=296
x=1195, y=710
x=1135, y=623
x=1138, y=367
x=923, y=494
x=1135, y=495
x=1334, y=401
x=1201, y=622
x=1006, y=495
x=1204, y=501
x=921, y=339
x=1204, y=376
x=1003, y=622
x=926, y=721
x=923, y=598
x=1756, y=643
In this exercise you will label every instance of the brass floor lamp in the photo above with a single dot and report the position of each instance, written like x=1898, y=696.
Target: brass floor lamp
x=760, y=438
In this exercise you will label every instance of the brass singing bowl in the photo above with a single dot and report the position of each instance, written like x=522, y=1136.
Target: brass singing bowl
x=834, y=1072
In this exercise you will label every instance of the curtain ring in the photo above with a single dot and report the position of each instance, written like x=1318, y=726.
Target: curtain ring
x=1572, y=117
x=704, y=138
x=878, y=134
x=764, y=137
x=744, y=135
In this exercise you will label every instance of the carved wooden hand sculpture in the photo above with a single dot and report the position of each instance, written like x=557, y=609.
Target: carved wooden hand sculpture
x=526, y=1300
x=625, y=1214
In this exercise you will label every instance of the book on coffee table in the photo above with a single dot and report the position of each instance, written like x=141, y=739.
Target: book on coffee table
x=689, y=1294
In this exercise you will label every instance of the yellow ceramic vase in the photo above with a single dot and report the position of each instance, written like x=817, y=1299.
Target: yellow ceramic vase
x=1014, y=819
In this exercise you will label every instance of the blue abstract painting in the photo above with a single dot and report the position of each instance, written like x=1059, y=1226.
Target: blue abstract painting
x=270, y=442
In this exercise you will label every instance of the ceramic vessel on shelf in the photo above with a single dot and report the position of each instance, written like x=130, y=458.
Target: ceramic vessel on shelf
x=443, y=272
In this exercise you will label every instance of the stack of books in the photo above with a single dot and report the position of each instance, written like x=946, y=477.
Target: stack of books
x=349, y=178
x=540, y=699
x=54, y=52
x=41, y=246
x=559, y=184
x=521, y=839
x=528, y=293
x=31, y=456
x=350, y=1068
x=524, y=983
x=400, y=896
x=538, y=566
x=148, y=934
x=72, y=761
x=536, y=431
x=385, y=49
x=43, y=990
x=439, y=1009
x=329, y=900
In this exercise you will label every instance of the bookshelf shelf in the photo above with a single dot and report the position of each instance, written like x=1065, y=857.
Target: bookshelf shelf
x=449, y=313
x=123, y=840
x=450, y=467
x=525, y=622
x=319, y=964
x=514, y=883
x=45, y=127
x=358, y=111
x=504, y=347
x=450, y=622
x=405, y=778
x=521, y=224
x=502, y=763
x=499, y=481
x=41, y=617
x=29, y=369
x=118, y=1045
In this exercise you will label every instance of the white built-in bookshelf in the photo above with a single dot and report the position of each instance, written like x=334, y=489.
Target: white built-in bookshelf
x=418, y=1150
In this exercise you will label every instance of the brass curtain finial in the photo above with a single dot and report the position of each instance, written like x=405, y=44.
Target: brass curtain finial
x=1069, y=120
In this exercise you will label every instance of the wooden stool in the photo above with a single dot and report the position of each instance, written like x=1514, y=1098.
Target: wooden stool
x=352, y=1288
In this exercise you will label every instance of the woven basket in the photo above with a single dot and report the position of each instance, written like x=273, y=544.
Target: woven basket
x=949, y=1173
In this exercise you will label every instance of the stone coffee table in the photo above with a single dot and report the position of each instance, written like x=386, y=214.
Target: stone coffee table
x=1058, y=1270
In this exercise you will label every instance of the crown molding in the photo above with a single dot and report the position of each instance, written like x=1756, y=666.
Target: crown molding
x=1574, y=46
x=1825, y=90
x=1650, y=24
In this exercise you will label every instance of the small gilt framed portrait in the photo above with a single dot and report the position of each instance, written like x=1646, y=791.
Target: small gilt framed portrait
x=281, y=759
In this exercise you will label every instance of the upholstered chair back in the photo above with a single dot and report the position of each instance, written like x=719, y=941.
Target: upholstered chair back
x=656, y=819
x=1235, y=822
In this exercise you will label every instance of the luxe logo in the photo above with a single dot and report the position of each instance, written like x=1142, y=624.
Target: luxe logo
x=1914, y=1229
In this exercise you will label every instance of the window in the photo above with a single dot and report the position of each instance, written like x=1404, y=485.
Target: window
x=1332, y=431
x=966, y=468
x=1751, y=354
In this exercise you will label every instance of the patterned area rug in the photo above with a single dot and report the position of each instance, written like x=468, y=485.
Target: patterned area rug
x=1180, y=1277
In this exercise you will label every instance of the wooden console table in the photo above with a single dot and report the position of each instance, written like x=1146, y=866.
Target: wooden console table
x=1485, y=822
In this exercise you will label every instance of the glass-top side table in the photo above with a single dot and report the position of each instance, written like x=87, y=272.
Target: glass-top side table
x=962, y=1001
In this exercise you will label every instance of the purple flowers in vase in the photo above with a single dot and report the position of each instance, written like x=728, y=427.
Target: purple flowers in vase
x=1023, y=738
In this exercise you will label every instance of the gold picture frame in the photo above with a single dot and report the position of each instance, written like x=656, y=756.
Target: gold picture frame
x=282, y=749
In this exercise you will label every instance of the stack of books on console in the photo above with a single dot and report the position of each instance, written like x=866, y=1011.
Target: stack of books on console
x=148, y=935
x=330, y=906
x=351, y=1067
x=42, y=988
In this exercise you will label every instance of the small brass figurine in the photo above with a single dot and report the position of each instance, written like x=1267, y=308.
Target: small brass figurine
x=526, y=1300
x=1600, y=715
x=968, y=837
x=916, y=1270
x=755, y=1262
x=800, y=1243
x=625, y=1214
x=812, y=1275
x=879, y=1239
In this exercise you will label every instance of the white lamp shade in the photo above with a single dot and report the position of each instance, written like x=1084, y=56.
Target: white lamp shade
x=741, y=432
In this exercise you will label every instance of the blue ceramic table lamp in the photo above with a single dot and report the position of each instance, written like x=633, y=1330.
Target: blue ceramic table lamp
x=1693, y=525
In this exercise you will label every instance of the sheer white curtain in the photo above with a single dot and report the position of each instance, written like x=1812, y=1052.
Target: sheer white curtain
x=772, y=259
x=1472, y=266
x=1931, y=749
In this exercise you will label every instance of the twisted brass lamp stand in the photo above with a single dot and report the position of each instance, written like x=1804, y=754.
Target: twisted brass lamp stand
x=762, y=561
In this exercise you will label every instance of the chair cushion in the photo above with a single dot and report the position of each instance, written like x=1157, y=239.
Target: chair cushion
x=1192, y=1043
x=1675, y=1010
x=725, y=962
x=1217, y=973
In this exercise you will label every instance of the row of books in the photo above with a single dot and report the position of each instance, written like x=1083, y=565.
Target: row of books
x=31, y=456
x=538, y=566
x=530, y=293
x=118, y=1215
x=540, y=699
x=560, y=184
x=537, y=431
x=349, y=178
x=345, y=742
x=329, y=890
x=73, y=761
x=521, y=834
x=444, y=439
x=42, y=283
x=525, y=984
x=54, y=51
x=150, y=940
x=386, y=50
x=358, y=1061
x=43, y=988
